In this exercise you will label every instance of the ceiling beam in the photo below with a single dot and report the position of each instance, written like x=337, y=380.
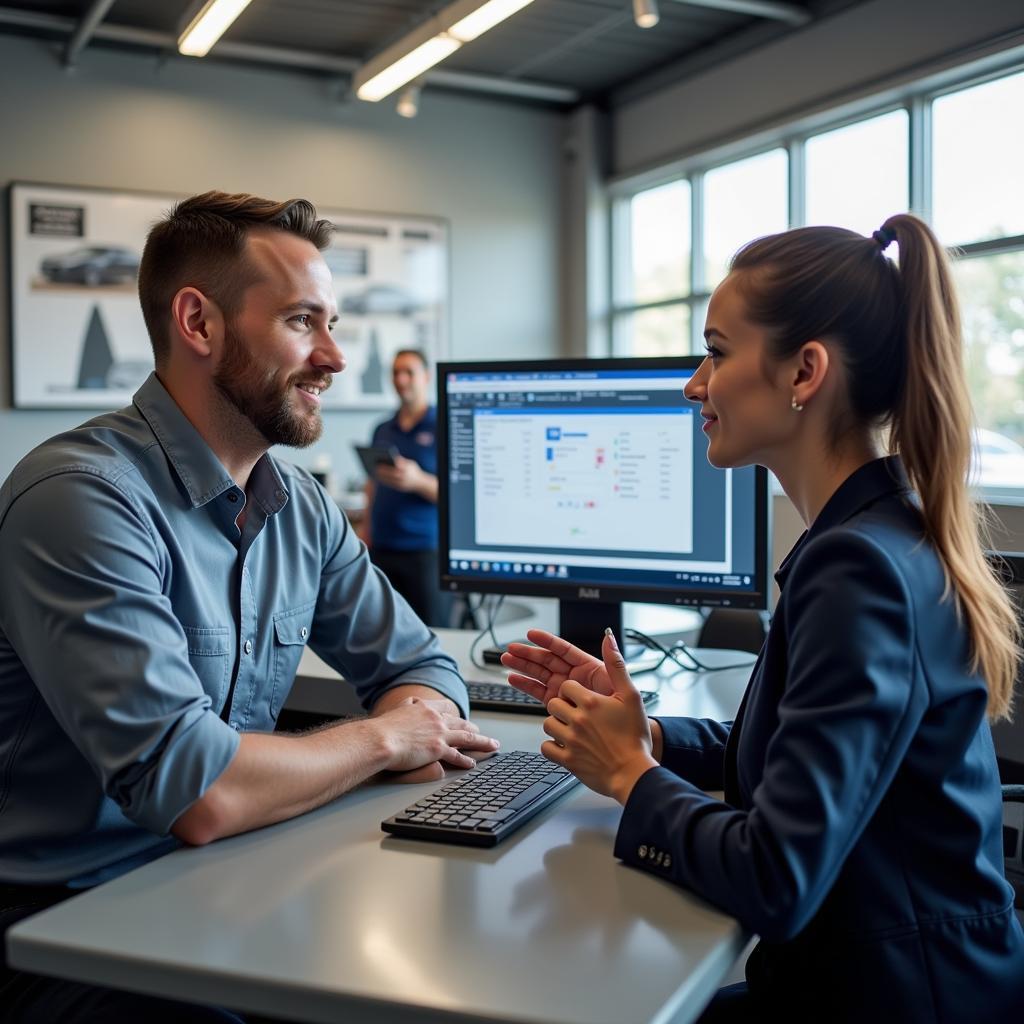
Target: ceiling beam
x=85, y=29
x=278, y=56
x=792, y=14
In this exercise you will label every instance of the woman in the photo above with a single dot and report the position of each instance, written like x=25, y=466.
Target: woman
x=860, y=835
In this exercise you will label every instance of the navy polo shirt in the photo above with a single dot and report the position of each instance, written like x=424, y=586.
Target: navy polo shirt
x=401, y=521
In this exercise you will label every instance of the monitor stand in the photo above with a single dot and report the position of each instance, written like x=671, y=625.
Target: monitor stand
x=583, y=623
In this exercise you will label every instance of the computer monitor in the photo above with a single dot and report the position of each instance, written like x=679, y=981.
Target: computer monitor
x=587, y=480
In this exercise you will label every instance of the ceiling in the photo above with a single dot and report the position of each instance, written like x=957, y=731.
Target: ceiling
x=561, y=52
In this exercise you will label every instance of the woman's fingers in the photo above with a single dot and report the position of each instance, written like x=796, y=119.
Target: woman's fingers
x=560, y=648
x=557, y=730
x=529, y=666
x=560, y=708
x=553, y=752
x=530, y=686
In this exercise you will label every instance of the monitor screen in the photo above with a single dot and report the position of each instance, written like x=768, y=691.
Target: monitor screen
x=588, y=480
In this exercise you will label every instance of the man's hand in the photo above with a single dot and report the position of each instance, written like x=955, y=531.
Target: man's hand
x=405, y=475
x=418, y=732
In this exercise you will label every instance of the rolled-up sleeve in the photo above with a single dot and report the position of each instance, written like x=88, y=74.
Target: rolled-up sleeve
x=84, y=607
x=366, y=631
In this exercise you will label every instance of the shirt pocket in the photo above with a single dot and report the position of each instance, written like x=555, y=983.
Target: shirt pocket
x=291, y=632
x=209, y=654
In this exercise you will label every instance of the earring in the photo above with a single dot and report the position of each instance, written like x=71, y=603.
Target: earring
x=795, y=405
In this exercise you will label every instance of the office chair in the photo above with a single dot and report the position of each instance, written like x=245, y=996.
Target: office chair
x=737, y=629
x=1008, y=738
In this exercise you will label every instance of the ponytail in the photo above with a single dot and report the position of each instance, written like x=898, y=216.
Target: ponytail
x=931, y=431
x=898, y=329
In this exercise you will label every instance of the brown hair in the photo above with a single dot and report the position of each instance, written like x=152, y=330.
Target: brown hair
x=201, y=242
x=417, y=353
x=898, y=331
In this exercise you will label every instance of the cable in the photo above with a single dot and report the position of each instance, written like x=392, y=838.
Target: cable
x=488, y=629
x=679, y=648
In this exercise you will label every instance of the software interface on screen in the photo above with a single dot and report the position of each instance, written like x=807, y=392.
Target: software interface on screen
x=590, y=478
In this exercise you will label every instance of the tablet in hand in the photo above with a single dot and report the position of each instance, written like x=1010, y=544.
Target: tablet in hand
x=371, y=457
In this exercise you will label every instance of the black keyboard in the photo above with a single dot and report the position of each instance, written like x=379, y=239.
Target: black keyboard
x=486, y=804
x=504, y=697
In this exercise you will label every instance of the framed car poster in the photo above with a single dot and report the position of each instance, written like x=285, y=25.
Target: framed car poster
x=78, y=339
x=391, y=284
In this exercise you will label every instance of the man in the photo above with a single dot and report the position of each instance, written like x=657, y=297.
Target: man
x=162, y=576
x=400, y=524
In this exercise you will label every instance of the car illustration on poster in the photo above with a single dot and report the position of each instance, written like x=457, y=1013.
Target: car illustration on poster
x=92, y=266
x=376, y=299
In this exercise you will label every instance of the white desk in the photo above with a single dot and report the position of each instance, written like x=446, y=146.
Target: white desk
x=324, y=918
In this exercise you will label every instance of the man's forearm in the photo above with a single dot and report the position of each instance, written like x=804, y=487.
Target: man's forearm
x=428, y=488
x=272, y=778
x=393, y=697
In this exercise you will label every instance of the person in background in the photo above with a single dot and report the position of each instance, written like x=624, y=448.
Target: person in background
x=162, y=575
x=400, y=523
x=860, y=836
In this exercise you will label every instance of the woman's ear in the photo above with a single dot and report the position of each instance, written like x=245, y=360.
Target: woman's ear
x=197, y=321
x=810, y=370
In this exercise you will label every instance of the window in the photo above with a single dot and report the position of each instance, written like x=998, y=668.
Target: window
x=977, y=203
x=954, y=155
x=742, y=200
x=652, y=275
x=858, y=175
x=658, y=331
x=659, y=244
x=978, y=157
x=991, y=290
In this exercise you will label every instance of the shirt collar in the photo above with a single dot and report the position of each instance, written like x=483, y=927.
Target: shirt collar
x=200, y=471
x=863, y=487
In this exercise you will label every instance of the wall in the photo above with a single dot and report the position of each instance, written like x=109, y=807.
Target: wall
x=856, y=52
x=125, y=121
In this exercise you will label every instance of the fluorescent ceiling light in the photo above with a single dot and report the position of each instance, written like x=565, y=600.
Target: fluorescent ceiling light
x=429, y=43
x=406, y=68
x=209, y=25
x=492, y=12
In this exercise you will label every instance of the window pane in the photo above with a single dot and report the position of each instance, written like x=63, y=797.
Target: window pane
x=991, y=291
x=659, y=251
x=742, y=201
x=978, y=153
x=663, y=331
x=699, y=317
x=857, y=175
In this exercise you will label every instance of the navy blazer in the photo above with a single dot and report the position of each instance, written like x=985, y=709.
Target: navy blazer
x=861, y=832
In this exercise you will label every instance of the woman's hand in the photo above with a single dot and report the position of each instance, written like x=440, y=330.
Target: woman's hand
x=598, y=727
x=540, y=671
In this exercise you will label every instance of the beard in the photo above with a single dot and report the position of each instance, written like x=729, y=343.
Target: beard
x=255, y=391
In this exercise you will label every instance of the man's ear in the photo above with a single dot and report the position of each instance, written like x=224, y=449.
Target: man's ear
x=197, y=320
x=809, y=372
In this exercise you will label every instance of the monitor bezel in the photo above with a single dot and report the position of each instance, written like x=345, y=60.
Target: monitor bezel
x=604, y=593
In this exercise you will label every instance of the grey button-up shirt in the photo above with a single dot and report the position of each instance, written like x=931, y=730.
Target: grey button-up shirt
x=132, y=609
